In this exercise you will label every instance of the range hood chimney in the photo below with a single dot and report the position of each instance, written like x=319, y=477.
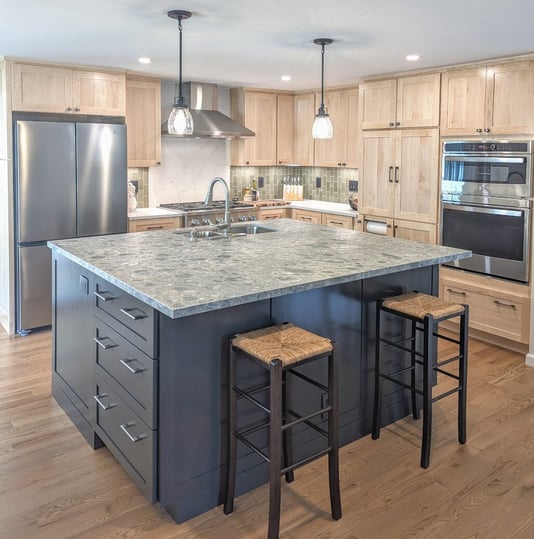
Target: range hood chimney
x=208, y=122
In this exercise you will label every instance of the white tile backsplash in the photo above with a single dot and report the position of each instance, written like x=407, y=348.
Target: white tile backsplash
x=187, y=167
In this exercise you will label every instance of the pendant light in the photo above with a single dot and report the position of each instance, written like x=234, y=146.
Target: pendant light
x=322, y=126
x=180, y=120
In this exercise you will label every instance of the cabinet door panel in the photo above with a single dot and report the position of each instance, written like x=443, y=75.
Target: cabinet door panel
x=260, y=116
x=463, y=96
x=410, y=230
x=41, y=88
x=416, y=181
x=98, y=93
x=332, y=152
x=418, y=101
x=284, y=128
x=378, y=104
x=143, y=121
x=377, y=185
x=304, y=114
x=510, y=98
x=353, y=129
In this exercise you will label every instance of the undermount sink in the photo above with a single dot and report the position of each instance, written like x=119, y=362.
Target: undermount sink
x=245, y=230
x=219, y=234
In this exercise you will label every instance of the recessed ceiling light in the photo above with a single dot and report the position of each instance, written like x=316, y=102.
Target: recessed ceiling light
x=286, y=78
x=144, y=60
x=412, y=57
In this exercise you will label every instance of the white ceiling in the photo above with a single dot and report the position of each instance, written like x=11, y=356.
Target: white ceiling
x=254, y=42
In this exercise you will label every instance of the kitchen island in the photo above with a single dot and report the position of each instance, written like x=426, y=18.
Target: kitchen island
x=140, y=331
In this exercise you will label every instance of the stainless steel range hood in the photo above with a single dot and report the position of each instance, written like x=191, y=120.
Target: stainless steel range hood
x=208, y=122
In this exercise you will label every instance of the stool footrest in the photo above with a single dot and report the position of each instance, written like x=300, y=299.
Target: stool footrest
x=308, y=379
x=306, y=420
x=446, y=338
x=406, y=386
x=250, y=445
x=253, y=428
x=306, y=460
x=245, y=395
x=446, y=394
x=449, y=360
x=397, y=345
x=449, y=374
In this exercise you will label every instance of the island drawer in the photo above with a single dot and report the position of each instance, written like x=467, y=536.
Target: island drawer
x=137, y=320
x=128, y=438
x=132, y=373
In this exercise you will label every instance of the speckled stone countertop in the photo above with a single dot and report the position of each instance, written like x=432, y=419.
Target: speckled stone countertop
x=152, y=213
x=179, y=277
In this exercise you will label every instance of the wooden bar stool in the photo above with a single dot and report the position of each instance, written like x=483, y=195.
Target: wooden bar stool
x=280, y=349
x=425, y=312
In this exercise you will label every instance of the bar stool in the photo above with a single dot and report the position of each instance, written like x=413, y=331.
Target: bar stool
x=279, y=349
x=425, y=312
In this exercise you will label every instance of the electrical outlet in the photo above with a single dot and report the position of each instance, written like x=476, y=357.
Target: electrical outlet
x=318, y=182
x=261, y=182
x=353, y=185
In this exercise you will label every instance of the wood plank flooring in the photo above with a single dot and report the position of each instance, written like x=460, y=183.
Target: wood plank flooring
x=52, y=485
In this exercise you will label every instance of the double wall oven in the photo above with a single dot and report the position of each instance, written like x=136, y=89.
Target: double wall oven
x=486, y=189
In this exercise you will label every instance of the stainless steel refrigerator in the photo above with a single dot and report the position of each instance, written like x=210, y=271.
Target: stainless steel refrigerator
x=70, y=181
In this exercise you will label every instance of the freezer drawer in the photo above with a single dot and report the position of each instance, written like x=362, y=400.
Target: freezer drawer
x=34, y=287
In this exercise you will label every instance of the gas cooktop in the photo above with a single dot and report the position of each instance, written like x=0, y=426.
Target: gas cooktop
x=200, y=206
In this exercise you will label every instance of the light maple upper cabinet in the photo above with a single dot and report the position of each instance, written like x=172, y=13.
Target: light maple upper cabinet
x=285, y=112
x=303, y=117
x=143, y=122
x=400, y=174
x=495, y=99
x=404, y=102
x=256, y=110
x=41, y=88
x=342, y=149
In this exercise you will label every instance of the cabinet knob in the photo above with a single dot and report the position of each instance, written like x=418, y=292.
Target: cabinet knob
x=397, y=124
x=68, y=109
x=486, y=130
x=76, y=109
x=339, y=164
x=247, y=162
x=344, y=164
x=391, y=124
x=479, y=130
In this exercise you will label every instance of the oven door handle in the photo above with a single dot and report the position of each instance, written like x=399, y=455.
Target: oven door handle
x=484, y=159
x=484, y=209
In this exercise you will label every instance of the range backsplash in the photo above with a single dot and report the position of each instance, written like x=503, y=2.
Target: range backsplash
x=334, y=181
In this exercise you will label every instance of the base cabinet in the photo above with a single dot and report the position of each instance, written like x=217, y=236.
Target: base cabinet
x=399, y=228
x=163, y=223
x=496, y=307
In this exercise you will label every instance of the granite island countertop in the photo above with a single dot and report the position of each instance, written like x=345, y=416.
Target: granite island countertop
x=179, y=277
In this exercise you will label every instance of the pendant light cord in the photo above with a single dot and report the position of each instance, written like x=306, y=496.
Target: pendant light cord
x=180, y=95
x=322, y=79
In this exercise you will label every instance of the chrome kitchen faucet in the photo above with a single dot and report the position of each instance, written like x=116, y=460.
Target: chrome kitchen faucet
x=209, y=200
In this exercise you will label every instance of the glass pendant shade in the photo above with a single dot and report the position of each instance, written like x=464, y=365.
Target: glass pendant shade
x=322, y=126
x=180, y=120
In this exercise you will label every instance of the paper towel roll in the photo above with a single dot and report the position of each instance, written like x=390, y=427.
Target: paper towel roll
x=376, y=227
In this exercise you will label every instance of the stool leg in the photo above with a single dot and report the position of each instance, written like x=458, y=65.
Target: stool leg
x=286, y=434
x=415, y=409
x=462, y=394
x=231, y=451
x=429, y=353
x=377, y=408
x=275, y=448
x=333, y=438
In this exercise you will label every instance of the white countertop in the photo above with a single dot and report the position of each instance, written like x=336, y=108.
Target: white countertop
x=152, y=213
x=330, y=207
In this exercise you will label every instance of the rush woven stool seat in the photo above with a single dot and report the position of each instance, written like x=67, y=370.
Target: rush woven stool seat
x=281, y=349
x=424, y=312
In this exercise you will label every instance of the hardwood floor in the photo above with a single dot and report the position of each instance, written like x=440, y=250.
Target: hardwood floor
x=52, y=485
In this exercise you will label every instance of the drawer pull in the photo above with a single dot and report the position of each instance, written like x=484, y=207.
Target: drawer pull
x=305, y=218
x=133, y=316
x=502, y=304
x=100, y=295
x=102, y=344
x=336, y=222
x=457, y=292
x=101, y=404
x=134, y=370
x=154, y=227
x=125, y=426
